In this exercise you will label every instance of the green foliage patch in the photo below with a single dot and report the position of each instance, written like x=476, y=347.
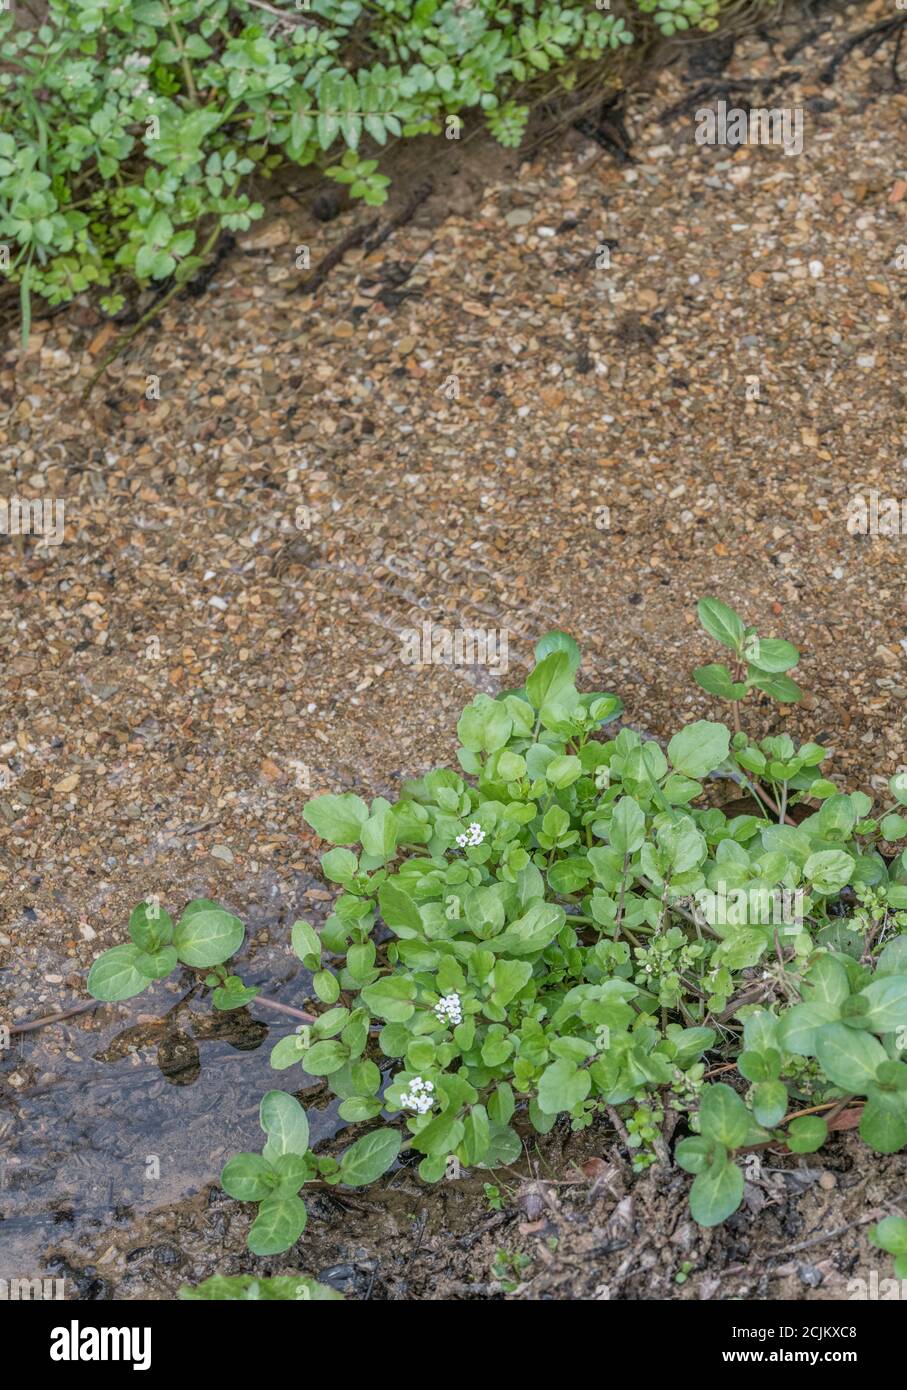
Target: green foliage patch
x=566, y=926
x=130, y=129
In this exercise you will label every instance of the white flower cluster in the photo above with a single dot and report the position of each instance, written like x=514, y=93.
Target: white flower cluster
x=419, y=1097
x=473, y=836
x=449, y=1010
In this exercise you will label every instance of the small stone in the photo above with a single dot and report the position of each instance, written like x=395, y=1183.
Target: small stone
x=222, y=852
x=518, y=217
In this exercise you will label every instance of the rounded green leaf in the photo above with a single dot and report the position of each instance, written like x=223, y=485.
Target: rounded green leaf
x=207, y=936
x=806, y=1134
x=699, y=748
x=887, y=1004
x=326, y=986
x=723, y=1116
x=150, y=926
x=883, y=1125
x=716, y=1194
x=849, y=1058
x=559, y=642
x=890, y=1234
x=627, y=828
x=338, y=819
x=369, y=1157
x=284, y=1122
x=280, y=1223
x=829, y=870
x=247, y=1177
x=306, y=944
x=116, y=975
x=157, y=965
x=325, y=1057
x=769, y=1102
x=694, y=1153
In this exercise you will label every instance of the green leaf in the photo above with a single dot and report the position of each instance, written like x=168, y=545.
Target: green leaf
x=559, y=642
x=887, y=999
x=771, y=654
x=890, y=1234
x=827, y=983
x=287, y=1051
x=248, y=1178
x=562, y=1086
x=326, y=986
x=723, y=1116
x=699, y=748
x=849, y=1058
x=798, y=1027
x=338, y=819
x=716, y=1194
x=280, y=1223
x=391, y=998
x=284, y=1122
x=721, y=622
x=234, y=1288
x=627, y=828
x=306, y=944
x=369, y=1157
x=150, y=927
x=717, y=680
x=780, y=688
x=806, y=1134
x=399, y=911
x=549, y=680
x=157, y=965
x=532, y=932
x=115, y=975
x=829, y=870
x=476, y=1134
x=206, y=936
x=883, y=1124
x=563, y=771
x=769, y=1102
x=326, y=1057
x=694, y=1153
x=508, y=978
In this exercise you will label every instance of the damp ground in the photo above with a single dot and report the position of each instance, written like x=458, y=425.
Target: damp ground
x=470, y=423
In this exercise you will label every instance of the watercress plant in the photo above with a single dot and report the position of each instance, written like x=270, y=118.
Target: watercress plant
x=570, y=925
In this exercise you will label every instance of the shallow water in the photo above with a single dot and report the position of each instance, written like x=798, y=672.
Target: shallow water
x=110, y=1115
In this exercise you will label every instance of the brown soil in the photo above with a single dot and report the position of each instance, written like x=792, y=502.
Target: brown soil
x=199, y=656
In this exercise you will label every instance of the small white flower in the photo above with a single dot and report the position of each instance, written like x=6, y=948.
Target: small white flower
x=463, y=841
x=419, y=1096
x=449, y=1010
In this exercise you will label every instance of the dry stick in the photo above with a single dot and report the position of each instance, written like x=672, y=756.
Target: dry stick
x=34, y=1023
x=285, y=1009
x=827, y=1235
x=156, y=308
